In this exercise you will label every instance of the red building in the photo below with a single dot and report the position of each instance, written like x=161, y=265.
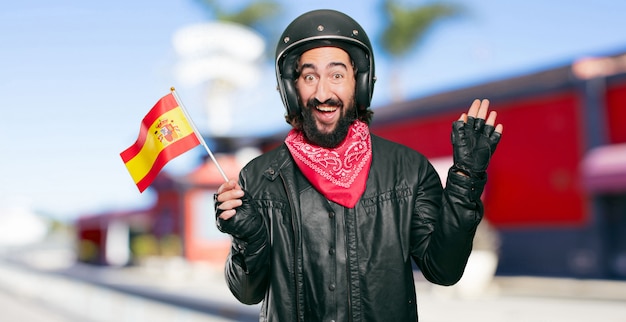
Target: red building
x=559, y=207
x=181, y=223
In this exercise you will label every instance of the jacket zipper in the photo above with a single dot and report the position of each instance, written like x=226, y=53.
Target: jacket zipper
x=348, y=267
x=295, y=248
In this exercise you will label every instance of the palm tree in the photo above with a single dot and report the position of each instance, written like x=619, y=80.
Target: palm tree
x=257, y=15
x=406, y=29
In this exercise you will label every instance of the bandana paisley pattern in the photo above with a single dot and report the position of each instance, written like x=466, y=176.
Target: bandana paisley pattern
x=338, y=173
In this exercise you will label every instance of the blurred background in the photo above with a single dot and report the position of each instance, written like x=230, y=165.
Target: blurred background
x=79, y=76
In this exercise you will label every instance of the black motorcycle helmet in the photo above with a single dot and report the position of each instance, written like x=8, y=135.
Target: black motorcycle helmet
x=322, y=28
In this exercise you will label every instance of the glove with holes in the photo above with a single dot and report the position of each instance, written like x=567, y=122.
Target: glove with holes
x=473, y=143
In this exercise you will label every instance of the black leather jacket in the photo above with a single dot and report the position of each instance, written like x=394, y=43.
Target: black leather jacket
x=367, y=274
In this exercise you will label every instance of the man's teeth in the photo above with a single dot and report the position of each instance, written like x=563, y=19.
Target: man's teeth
x=327, y=108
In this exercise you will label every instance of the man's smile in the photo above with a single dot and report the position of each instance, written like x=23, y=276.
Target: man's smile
x=326, y=108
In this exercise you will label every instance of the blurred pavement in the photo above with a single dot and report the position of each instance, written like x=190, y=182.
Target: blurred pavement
x=36, y=283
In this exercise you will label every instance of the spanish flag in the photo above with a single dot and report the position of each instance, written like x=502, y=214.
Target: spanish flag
x=165, y=134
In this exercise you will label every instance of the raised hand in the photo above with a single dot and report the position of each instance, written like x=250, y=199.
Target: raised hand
x=475, y=139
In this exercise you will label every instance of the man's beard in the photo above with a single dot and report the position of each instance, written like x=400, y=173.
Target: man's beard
x=332, y=139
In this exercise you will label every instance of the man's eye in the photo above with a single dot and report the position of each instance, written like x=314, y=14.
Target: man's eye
x=309, y=78
x=337, y=76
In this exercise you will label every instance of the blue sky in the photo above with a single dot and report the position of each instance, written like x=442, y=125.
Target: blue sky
x=78, y=76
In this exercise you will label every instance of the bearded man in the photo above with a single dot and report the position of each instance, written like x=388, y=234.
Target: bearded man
x=326, y=226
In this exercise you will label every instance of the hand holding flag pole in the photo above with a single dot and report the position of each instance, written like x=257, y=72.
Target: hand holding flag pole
x=165, y=133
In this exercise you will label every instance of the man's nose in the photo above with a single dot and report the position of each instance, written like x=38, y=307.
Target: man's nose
x=322, y=91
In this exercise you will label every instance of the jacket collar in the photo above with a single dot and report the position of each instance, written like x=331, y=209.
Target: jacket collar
x=282, y=160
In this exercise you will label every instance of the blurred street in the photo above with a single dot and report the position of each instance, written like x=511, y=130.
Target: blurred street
x=44, y=284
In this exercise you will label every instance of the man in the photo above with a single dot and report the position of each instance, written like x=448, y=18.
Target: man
x=325, y=226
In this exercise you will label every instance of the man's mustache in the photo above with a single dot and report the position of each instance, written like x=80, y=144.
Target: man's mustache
x=314, y=103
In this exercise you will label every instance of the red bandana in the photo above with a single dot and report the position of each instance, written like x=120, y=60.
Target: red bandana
x=339, y=173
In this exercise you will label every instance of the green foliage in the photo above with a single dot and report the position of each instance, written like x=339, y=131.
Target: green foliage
x=258, y=15
x=144, y=245
x=407, y=26
x=251, y=15
x=88, y=251
x=171, y=246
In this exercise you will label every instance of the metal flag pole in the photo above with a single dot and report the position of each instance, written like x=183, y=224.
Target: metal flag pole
x=197, y=133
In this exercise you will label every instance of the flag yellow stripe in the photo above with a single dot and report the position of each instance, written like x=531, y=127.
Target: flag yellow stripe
x=141, y=164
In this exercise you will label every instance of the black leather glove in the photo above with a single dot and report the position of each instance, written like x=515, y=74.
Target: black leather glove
x=473, y=142
x=246, y=224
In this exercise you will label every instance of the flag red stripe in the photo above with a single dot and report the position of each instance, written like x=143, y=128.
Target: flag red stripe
x=168, y=153
x=165, y=104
